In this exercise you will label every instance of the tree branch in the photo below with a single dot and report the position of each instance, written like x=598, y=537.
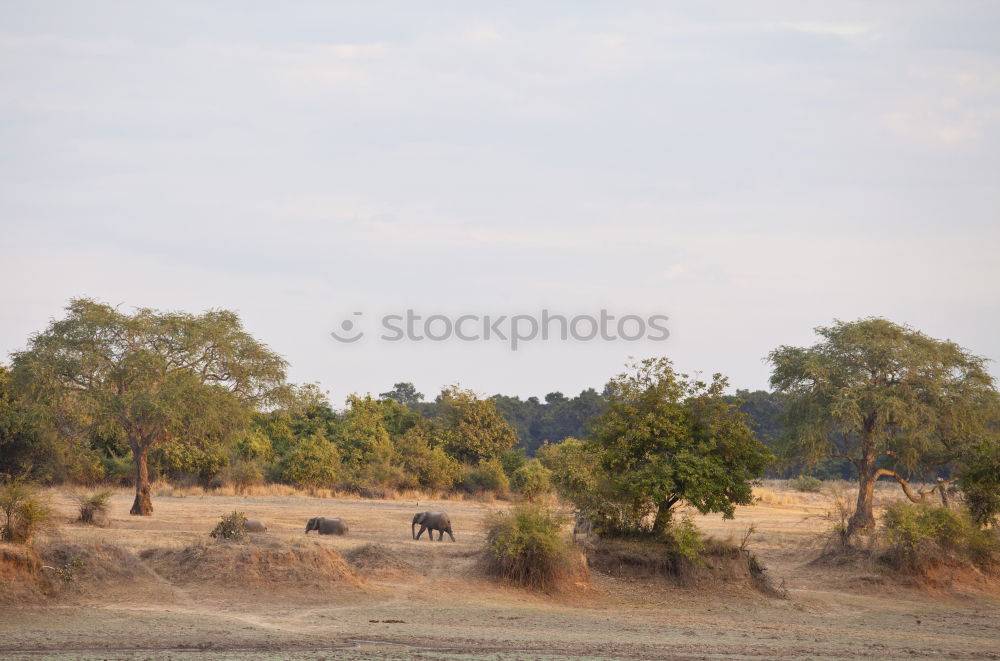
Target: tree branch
x=920, y=495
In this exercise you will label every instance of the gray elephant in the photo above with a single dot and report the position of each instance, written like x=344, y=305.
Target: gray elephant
x=431, y=521
x=326, y=526
x=254, y=525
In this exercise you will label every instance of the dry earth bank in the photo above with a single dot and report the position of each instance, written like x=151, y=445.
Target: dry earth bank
x=158, y=587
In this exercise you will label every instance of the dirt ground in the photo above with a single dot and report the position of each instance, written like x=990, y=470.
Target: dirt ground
x=176, y=597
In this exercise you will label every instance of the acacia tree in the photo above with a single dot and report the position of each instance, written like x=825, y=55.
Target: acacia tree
x=150, y=377
x=664, y=439
x=886, y=398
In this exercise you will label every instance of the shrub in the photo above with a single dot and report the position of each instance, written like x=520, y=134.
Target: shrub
x=918, y=537
x=119, y=470
x=980, y=485
x=512, y=460
x=487, y=475
x=231, y=526
x=22, y=513
x=178, y=459
x=684, y=538
x=242, y=475
x=93, y=507
x=532, y=480
x=807, y=483
x=525, y=546
x=424, y=464
x=315, y=462
x=67, y=571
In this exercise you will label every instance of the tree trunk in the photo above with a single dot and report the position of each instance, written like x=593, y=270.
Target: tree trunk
x=664, y=513
x=864, y=515
x=143, y=505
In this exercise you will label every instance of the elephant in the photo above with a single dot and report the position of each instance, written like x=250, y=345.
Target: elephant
x=326, y=526
x=431, y=521
x=254, y=525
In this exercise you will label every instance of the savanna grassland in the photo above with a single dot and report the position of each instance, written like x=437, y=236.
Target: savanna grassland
x=159, y=587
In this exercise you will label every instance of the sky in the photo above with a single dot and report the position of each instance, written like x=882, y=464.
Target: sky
x=752, y=170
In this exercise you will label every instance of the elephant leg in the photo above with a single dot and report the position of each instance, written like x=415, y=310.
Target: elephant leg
x=421, y=531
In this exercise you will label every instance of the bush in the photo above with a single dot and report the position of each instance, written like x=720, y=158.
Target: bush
x=425, y=464
x=93, y=507
x=684, y=538
x=525, y=546
x=242, y=475
x=179, y=459
x=487, y=475
x=979, y=482
x=231, y=526
x=918, y=537
x=119, y=470
x=315, y=462
x=807, y=483
x=532, y=480
x=22, y=513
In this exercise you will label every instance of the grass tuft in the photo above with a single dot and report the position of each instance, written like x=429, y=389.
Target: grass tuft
x=93, y=508
x=526, y=546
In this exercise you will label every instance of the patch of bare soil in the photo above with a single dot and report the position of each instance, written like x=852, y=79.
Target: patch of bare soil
x=380, y=561
x=20, y=568
x=64, y=570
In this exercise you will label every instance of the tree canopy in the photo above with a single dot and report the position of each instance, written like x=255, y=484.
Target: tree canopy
x=149, y=377
x=663, y=439
x=886, y=398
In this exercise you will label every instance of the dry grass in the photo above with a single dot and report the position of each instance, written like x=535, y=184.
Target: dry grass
x=275, y=592
x=380, y=560
x=255, y=563
x=163, y=489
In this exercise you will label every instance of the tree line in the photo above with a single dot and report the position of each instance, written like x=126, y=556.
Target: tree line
x=106, y=395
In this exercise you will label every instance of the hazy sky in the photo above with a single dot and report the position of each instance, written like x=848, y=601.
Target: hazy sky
x=751, y=169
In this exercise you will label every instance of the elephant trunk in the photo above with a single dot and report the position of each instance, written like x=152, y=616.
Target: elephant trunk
x=413, y=530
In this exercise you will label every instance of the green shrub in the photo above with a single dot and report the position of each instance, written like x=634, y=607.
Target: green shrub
x=179, y=459
x=686, y=540
x=22, y=512
x=526, y=546
x=512, y=460
x=93, y=507
x=425, y=464
x=119, y=470
x=231, y=526
x=315, y=462
x=979, y=482
x=487, y=475
x=532, y=480
x=918, y=537
x=807, y=483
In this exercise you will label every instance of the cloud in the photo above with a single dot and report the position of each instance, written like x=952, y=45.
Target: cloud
x=484, y=35
x=751, y=170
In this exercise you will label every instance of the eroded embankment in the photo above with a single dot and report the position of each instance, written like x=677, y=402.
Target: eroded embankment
x=66, y=570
